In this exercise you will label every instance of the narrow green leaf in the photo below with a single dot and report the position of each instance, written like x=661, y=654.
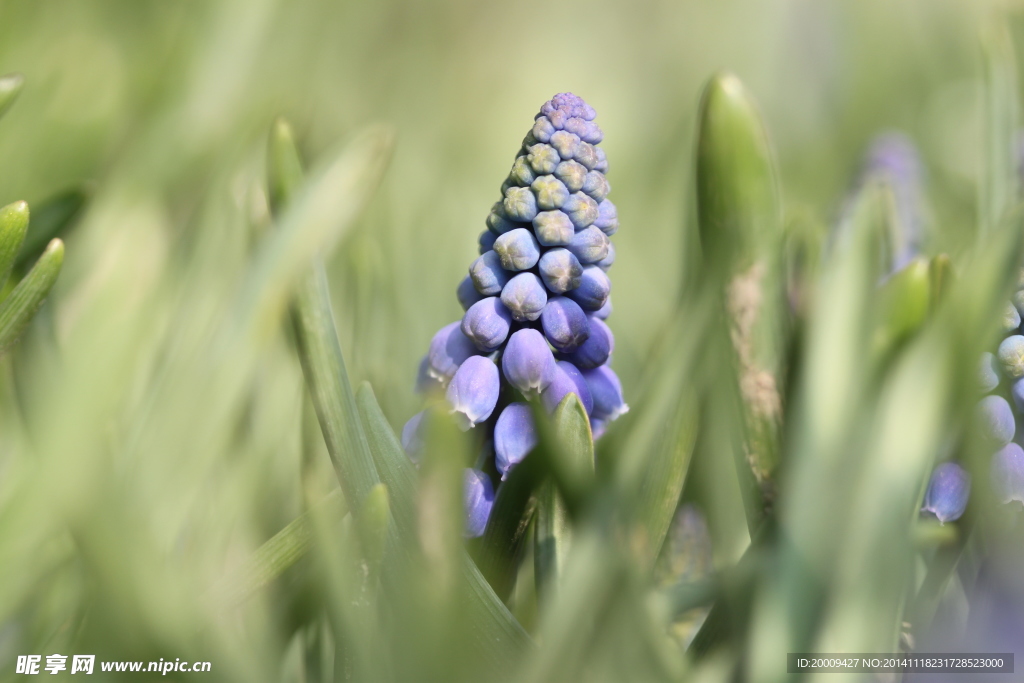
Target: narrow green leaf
x=374, y=521
x=324, y=369
x=738, y=208
x=552, y=537
x=13, y=225
x=10, y=88
x=284, y=167
x=503, y=540
x=18, y=308
x=50, y=218
x=576, y=441
x=280, y=552
x=941, y=275
x=998, y=185
x=904, y=302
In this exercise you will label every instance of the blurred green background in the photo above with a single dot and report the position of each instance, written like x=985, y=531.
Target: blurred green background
x=111, y=441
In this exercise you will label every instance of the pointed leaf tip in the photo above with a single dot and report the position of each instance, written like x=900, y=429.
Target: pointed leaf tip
x=10, y=87
x=13, y=226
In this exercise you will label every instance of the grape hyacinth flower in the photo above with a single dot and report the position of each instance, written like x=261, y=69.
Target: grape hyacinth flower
x=948, y=491
x=539, y=288
x=477, y=499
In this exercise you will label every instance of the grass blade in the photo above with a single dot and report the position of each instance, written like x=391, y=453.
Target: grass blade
x=18, y=308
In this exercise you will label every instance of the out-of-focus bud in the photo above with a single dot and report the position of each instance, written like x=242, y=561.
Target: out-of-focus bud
x=473, y=391
x=948, y=492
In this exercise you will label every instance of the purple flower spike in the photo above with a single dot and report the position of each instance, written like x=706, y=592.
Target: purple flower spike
x=565, y=324
x=477, y=500
x=525, y=297
x=514, y=436
x=948, y=491
x=567, y=380
x=487, y=323
x=528, y=363
x=607, y=392
x=594, y=289
x=473, y=391
x=1008, y=474
x=448, y=349
x=996, y=421
x=596, y=349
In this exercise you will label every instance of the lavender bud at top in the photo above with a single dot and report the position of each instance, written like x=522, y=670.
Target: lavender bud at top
x=521, y=173
x=1011, y=356
x=514, y=436
x=893, y=159
x=487, y=274
x=553, y=228
x=517, y=249
x=572, y=174
x=520, y=204
x=607, y=392
x=560, y=270
x=948, y=491
x=477, y=500
x=498, y=222
x=473, y=391
x=543, y=159
x=542, y=129
x=550, y=192
x=525, y=297
x=596, y=185
x=593, y=291
x=1008, y=473
x=581, y=209
x=448, y=350
x=996, y=421
x=565, y=324
x=528, y=363
x=565, y=143
x=487, y=323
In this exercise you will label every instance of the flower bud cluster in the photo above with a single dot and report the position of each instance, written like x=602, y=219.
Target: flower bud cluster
x=535, y=300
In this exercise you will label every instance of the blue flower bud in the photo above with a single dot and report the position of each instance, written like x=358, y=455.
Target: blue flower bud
x=567, y=380
x=598, y=428
x=487, y=274
x=528, y=363
x=498, y=222
x=515, y=435
x=477, y=500
x=581, y=209
x=586, y=154
x=448, y=350
x=412, y=436
x=1011, y=356
x=486, y=241
x=521, y=173
x=487, y=323
x=596, y=185
x=560, y=270
x=564, y=323
x=565, y=105
x=542, y=129
x=607, y=218
x=604, y=311
x=948, y=491
x=543, y=158
x=606, y=263
x=589, y=245
x=602, y=161
x=466, y=293
x=473, y=391
x=596, y=349
x=995, y=419
x=893, y=159
x=525, y=297
x=607, y=392
x=1017, y=395
x=549, y=192
x=594, y=289
x=565, y=143
x=553, y=228
x=518, y=250
x=1018, y=300
x=1008, y=473
x=572, y=174
x=1011, y=318
x=520, y=204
